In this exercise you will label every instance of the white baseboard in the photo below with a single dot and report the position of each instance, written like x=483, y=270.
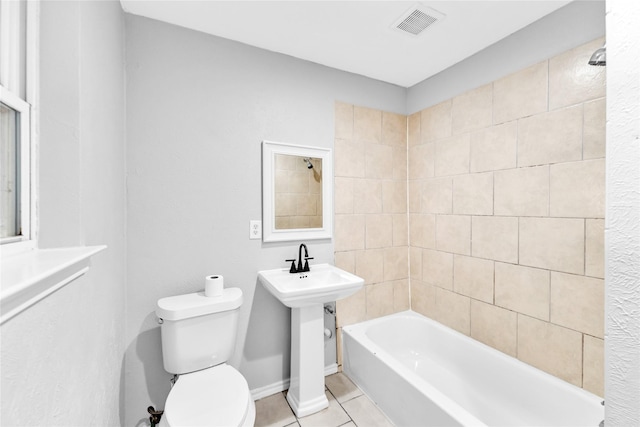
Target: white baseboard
x=269, y=389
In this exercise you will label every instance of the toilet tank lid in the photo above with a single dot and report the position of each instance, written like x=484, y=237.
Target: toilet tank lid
x=197, y=304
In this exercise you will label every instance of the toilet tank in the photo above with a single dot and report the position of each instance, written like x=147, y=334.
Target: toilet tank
x=198, y=331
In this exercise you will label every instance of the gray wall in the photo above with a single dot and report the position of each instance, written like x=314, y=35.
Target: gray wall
x=577, y=23
x=198, y=108
x=62, y=358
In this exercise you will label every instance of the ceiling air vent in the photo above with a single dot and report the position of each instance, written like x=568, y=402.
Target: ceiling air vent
x=417, y=19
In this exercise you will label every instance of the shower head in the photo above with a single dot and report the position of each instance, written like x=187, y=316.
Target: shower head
x=308, y=162
x=599, y=57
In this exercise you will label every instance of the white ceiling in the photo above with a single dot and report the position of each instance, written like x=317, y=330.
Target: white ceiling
x=355, y=36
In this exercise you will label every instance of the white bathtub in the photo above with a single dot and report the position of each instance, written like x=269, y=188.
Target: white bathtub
x=421, y=373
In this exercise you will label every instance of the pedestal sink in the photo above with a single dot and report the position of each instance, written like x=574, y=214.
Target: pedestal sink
x=306, y=294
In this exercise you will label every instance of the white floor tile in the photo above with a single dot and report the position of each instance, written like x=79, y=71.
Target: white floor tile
x=365, y=413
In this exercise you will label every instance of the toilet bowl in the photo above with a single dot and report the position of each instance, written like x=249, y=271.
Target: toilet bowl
x=217, y=396
x=198, y=336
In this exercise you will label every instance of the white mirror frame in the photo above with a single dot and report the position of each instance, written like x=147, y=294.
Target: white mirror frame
x=269, y=232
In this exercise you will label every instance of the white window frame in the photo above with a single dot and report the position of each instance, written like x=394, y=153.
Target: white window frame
x=29, y=274
x=24, y=171
x=13, y=78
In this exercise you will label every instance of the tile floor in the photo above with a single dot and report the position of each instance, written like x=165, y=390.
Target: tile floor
x=348, y=407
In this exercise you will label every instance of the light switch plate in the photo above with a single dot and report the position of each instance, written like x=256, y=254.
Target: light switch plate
x=255, y=229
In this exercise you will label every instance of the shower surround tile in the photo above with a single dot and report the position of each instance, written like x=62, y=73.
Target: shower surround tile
x=594, y=248
x=396, y=260
x=494, y=326
x=344, y=121
x=349, y=158
x=578, y=189
x=521, y=94
x=577, y=302
x=371, y=223
x=472, y=110
x=352, y=309
x=413, y=129
x=453, y=234
x=553, y=243
x=367, y=124
x=349, y=232
x=401, y=295
x=437, y=196
x=379, y=231
x=473, y=194
x=367, y=196
x=437, y=268
x=494, y=148
x=423, y=230
x=394, y=196
x=593, y=377
x=422, y=161
x=522, y=289
x=522, y=192
x=423, y=298
x=369, y=265
x=473, y=277
x=453, y=310
x=379, y=300
x=538, y=162
x=452, y=155
x=377, y=164
x=551, y=348
x=594, y=132
x=400, y=230
x=415, y=264
x=572, y=80
x=435, y=122
x=399, y=163
x=394, y=129
x=495, y=237
x=344, y=195
x=550, y=137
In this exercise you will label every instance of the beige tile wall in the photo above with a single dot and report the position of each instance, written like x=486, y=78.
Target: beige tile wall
x=486, y=213
x=371, y=223
x=506, y=207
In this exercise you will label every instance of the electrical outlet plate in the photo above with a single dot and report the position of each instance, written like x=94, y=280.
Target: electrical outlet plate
x=255, y=229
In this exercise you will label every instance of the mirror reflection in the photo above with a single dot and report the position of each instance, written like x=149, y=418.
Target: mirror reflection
x=298, y=192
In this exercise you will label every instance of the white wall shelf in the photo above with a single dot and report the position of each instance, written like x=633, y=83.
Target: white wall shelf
x=30, y=276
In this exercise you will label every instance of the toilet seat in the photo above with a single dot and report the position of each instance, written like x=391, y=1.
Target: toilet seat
x=217, y=396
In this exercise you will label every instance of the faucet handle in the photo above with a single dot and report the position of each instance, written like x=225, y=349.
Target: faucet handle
x=293, y=265
x=306, y=263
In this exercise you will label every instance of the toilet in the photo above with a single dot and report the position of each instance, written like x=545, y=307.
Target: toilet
x=198, y=337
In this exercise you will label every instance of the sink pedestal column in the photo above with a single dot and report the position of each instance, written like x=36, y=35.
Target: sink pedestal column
x=306, y=391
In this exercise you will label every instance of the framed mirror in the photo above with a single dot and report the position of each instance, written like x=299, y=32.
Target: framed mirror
x=297, y=192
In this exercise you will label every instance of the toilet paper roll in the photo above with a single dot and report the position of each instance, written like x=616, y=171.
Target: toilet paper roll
x=213, y=285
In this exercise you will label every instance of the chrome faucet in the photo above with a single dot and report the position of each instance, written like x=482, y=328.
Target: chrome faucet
x=300, y=268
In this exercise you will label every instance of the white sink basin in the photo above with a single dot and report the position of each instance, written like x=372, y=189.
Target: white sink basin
x=324, y=283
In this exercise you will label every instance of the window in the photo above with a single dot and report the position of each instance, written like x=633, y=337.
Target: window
x=15, y=194
x=18, y=20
